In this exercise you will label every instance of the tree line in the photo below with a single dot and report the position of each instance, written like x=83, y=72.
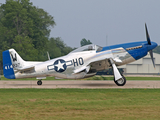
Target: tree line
x=26, y=28
x=157, y=49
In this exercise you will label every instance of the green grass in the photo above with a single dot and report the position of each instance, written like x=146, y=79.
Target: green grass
x=72, y=104
x=97, y=77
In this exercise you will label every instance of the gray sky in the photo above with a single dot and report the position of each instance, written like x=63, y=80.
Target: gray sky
x=119, y=21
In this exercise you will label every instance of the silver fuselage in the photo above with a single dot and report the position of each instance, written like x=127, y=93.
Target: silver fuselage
x=76, y=61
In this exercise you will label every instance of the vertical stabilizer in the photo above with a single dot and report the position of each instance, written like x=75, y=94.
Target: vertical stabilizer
x=16, y=60
x=11, y=62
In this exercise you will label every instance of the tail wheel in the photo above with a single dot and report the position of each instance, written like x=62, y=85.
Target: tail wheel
x=39, y=82
x=121, y=81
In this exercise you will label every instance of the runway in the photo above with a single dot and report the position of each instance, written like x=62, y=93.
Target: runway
x=88, y=84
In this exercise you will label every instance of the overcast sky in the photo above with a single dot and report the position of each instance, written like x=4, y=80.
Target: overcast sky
x=102, y=21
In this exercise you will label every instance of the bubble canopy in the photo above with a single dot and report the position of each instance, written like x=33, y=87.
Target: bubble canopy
x=90, y=47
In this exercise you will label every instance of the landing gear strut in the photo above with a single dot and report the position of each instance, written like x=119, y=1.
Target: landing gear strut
x=39, y=82
x=119, y=79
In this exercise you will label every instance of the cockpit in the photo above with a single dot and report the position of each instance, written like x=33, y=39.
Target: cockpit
x=90, y=47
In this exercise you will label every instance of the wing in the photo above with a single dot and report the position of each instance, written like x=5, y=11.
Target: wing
x=97, y=65
x=84, y=68
x=100, y=65
x=94, y=66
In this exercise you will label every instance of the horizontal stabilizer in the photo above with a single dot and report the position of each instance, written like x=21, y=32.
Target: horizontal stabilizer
x=26, y=68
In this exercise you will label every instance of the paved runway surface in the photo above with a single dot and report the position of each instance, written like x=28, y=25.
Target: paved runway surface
x=78, y=84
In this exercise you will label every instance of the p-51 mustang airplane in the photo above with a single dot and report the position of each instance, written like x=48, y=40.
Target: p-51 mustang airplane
x=80, y=63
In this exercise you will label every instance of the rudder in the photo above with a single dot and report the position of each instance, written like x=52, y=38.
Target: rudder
x=8, y=70
x=11, y=61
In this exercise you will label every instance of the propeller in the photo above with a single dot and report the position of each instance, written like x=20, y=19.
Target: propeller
x=147, y=35
x=149, y=43
x=151, y=54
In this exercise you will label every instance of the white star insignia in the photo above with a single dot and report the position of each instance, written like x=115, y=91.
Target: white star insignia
x=59, y=65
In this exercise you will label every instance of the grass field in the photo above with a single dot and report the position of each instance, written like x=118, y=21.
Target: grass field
x=71, y=104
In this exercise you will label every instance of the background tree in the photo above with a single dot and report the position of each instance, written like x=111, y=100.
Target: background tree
x=53, y=50
x=157, y=49
x=57, y=48
x=25, y=28
x=85, y=42
x=64, y=49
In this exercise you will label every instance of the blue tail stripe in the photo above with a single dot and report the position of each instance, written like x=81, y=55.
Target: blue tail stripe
x=7, y=66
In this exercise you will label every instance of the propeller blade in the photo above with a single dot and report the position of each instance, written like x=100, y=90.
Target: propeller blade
x=151, y=54
x=147, y=35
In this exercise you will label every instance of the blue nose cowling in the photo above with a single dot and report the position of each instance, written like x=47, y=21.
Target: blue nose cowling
x=152, y=46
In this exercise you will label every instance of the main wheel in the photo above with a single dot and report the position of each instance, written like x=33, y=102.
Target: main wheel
x=39, y=82
x=121, y=81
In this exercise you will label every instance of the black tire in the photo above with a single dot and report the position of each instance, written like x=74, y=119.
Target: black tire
x=121, y=82
x=39, y=82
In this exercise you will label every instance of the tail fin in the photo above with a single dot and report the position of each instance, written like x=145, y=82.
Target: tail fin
x=11, y=62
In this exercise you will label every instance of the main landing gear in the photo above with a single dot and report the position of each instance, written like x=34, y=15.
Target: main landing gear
x=39, y=82
x=119, y=79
